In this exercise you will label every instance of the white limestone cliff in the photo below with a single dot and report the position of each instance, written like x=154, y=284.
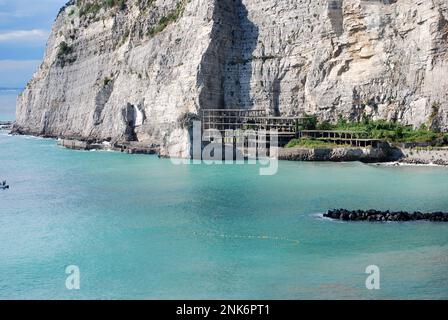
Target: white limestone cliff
x=132, y=70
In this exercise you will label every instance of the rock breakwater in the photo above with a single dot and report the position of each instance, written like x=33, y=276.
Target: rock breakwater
x=382, y=216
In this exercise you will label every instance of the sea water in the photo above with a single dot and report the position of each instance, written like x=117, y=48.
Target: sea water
x=140, y=227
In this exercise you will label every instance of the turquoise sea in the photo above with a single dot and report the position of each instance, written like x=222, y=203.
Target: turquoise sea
x=139, y=227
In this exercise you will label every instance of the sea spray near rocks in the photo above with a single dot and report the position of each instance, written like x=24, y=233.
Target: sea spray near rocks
x=382, y=216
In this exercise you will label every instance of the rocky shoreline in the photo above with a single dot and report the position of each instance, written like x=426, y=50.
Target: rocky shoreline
x=434, y=156
x=125, y=147
x=6, y=125
x=342, y=154
x=383, y=216
x=385, y=153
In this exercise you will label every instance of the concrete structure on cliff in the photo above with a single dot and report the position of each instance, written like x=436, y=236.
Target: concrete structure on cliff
x=133, y=71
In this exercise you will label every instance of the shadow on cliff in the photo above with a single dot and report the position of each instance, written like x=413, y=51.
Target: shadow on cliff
x=226, y=67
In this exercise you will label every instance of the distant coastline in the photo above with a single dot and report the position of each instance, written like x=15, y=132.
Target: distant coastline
x=5, y=90
x=8, y=98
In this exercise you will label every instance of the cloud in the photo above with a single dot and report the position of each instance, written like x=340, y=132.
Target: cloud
x=30, y=8
x=24, y=30
x=16, y=73
x=24, y=35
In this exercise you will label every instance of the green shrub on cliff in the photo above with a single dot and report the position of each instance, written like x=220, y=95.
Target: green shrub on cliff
x=64, y=55
x=93, y=8
x=379, y=129
x=309, y=122
x=171, y=17
x=64, y=49
x=90, y=8
x=116, y=3
x=387, y=130
x=325, y=125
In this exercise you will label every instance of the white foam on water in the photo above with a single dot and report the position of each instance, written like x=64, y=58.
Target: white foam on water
x=403, y=164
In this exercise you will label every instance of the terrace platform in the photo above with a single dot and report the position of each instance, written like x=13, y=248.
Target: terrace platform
x=287, y=128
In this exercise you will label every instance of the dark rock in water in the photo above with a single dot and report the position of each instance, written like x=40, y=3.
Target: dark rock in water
x=6, y=125
x=383, y=216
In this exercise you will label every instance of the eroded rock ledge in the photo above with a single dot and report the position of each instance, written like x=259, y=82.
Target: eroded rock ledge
x=125, y=147
x=367, y=155
x=383, y=216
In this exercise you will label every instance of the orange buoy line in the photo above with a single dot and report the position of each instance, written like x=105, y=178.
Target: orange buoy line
x=248, y=237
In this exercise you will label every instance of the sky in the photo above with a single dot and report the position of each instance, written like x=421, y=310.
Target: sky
x=24, y=29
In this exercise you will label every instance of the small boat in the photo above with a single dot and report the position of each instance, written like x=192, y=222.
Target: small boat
x=4, y=186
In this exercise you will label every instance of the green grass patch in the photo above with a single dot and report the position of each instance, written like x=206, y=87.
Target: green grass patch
x=389, y=131
x=312, y=144
x=379, y=129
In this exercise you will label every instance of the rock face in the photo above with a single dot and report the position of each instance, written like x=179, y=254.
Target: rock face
x=129, y=70
x=367, y=155
x=437, y=156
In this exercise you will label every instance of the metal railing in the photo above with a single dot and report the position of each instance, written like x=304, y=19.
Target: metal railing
x=243, y=119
